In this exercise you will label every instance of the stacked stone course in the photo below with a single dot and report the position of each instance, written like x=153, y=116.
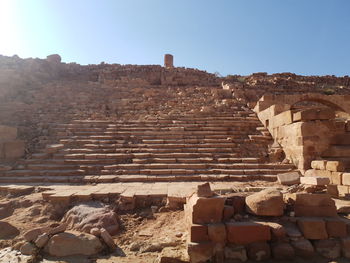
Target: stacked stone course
x=315, y=228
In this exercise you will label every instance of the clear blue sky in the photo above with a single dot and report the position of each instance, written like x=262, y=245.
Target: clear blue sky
x=310, y=37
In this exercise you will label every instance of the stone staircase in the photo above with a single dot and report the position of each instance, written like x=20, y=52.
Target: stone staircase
x=229, y=146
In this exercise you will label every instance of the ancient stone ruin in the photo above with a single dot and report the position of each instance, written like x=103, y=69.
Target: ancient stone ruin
x=145, y=163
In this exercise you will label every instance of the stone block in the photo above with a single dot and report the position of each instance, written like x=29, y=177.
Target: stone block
x=336, y=227
x=335, y=166
x=313, y=228
x=259, y=251
x=238, y=203
x=289, y=178
x=313, y=114
x=278, y=231
x=330, y=248
x=317, y=173
x=268, y=202
x=346, y=178
x=14, y=149
x=236, y=253
x=343, y=190
x=7, y=133
x=303, y=248
x=217, y=233
x=282, y=251
x=198, y=233
x=202, y=210
x=314, y=180
x=229, y=211
x=317, y=211
x=336, y=177
x=242, y=233
x=332, y=190
x=283, y=118
x=319, y=164
x=345, y=246
x=204, y=190
x=305, y=199
x=200, y=252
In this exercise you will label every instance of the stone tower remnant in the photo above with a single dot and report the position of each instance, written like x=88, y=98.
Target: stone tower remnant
x=168, y=61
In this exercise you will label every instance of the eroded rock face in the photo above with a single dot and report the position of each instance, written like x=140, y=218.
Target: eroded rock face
x=268, y=202
x=73, y=243
x=7, y=230
x=85, y=217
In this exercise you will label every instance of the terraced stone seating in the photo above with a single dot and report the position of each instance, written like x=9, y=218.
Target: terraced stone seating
x=212, y=148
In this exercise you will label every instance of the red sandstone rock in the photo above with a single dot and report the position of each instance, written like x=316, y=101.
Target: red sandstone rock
x=198, y=233
x=265, y=203
x=313, y=228
x=238, y=203
x=303, y=248
x=242, y=233
x=217, y=233
x=314, y=205
x=335, y=227
x=7, y=230
x=203, y=210
x=204, y=190
x=228, y=212
x=278, y=231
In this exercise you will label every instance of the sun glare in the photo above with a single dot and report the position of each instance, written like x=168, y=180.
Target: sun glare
x=10, y=30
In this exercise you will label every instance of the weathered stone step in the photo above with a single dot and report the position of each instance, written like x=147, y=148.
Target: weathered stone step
x=189, y=126
x=260, y=137
x=154, y=165
x=43, y=179
x=43, y=166
x=154, y=150
x=196, y=171
x=223, y=157
x=169, y=136
x=21, y=173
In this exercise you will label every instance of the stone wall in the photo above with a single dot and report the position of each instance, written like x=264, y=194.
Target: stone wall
x=264, y=225
x=304, y=133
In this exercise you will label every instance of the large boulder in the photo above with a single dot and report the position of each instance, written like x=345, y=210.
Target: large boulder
x=268, y=202
x=7, y=231
x=73, y=243
x=85, y=217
